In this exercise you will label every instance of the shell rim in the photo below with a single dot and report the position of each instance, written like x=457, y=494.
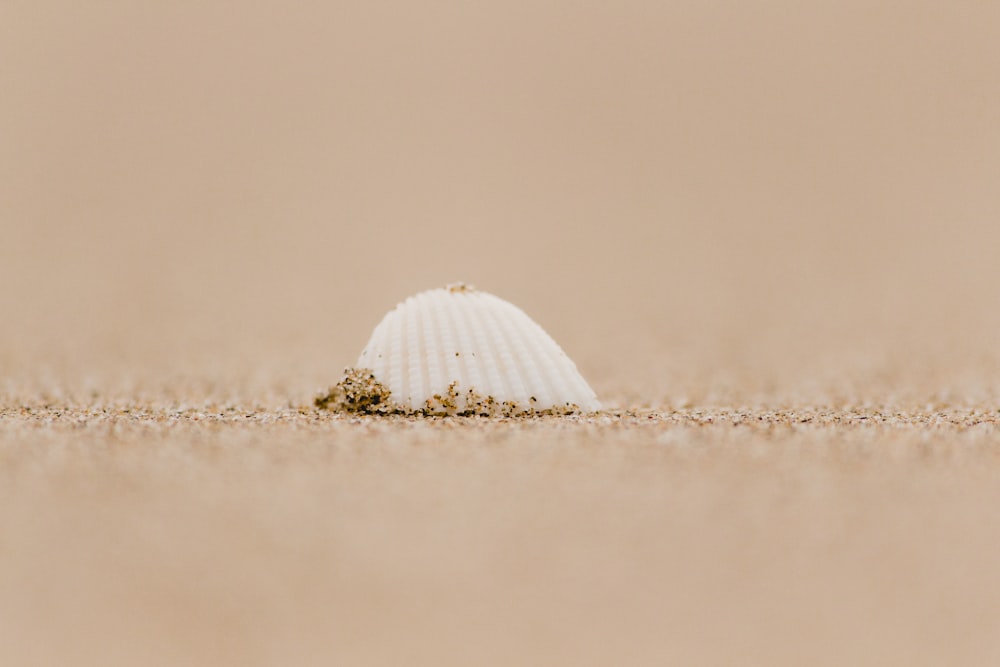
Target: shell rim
x=360, y=393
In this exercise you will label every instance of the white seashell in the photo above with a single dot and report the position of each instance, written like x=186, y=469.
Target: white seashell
x=458, y=350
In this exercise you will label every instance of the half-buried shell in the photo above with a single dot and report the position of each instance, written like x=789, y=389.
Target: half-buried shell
x=460, y=351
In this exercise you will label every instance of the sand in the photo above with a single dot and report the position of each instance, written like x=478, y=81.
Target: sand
x=240, y=535
x=766, y=233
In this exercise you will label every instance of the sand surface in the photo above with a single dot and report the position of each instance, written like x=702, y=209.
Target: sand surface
x=766, y=232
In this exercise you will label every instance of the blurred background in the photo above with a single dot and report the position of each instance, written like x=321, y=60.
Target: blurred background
x=704, y=203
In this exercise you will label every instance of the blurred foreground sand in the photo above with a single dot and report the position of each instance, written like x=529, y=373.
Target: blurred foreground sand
x=242, y=537
x=765, y=231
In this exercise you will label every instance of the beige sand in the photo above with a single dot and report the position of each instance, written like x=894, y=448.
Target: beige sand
x=767, y=232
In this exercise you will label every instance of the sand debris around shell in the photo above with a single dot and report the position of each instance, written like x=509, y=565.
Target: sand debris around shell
x=360, y=393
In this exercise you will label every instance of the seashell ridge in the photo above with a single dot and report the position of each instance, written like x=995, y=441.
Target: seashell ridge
x=461, y=351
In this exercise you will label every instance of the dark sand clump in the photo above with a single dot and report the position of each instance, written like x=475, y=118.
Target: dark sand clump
x=360, y=393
